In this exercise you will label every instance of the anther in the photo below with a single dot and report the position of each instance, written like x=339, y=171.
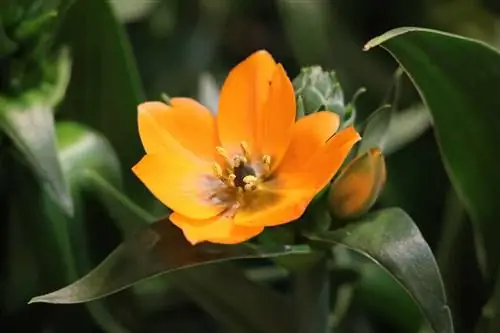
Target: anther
x=222, y=152
x=249, y=179
x=230, y=180
x=266, y=161
x=238, y=160
x=217, y=170
x=250, y=187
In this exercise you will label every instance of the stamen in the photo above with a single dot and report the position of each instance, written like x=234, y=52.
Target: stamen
x=249, y=179
x=222, y=152
x=250, y=187
x=217, y=170
x=239, y=195
x=230, y=180
x=239, y=160
x=245, y=150
x=266, y=161
x=250, y=183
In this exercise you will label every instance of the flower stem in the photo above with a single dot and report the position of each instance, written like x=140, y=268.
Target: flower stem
x=312, y=298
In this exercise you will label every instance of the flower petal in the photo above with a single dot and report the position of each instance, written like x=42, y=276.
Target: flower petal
x=186, y=121
x=242, y=99
x=181, y=182
x=322, y=166
x=219, y=229
x=310, y=135
x=277, y=119
x=270, y=208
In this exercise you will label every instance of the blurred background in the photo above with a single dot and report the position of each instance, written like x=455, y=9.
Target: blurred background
x=127, y=51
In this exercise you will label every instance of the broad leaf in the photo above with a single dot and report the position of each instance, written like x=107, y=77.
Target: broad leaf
x=155, y=250
x=391, y=239
x=458, y=78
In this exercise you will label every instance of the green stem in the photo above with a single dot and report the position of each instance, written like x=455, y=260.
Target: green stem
x=312, y=298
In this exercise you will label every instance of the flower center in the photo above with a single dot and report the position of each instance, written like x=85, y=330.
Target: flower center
x=240, y=173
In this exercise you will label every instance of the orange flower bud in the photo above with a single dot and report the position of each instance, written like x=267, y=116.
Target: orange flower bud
x=358, y=185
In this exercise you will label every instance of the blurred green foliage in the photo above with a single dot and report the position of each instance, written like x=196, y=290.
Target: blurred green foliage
x=71, y=75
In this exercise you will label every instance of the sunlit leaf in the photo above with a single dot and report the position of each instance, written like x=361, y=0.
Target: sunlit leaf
x=457, y=79
x=156, y=250
x=391, y=239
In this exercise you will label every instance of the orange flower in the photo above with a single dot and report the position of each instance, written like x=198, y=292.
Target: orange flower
x=252, y=166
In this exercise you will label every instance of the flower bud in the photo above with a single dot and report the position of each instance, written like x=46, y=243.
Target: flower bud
x=319, y=90
x=358, y=185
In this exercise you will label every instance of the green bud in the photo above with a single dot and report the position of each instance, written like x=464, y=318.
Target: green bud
x=319, y=90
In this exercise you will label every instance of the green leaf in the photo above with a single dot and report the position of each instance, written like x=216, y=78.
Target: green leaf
x=375, y=132
x=28, y=120
x=218, y=289
x=156, y=250
x=406, y=126
x=490, y=319
x=240, y=304
x=457, y=78
x=7, y=46
x=105, y=88
x=391, y=239
x=82, y=151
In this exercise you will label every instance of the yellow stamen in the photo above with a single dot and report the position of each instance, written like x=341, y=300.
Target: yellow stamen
x=249, y=179
x=251, y=183
x=230, y=180
x=218, y=170
x=237, y=161
x=222, y=152
x=250, y=187
x=266, y=161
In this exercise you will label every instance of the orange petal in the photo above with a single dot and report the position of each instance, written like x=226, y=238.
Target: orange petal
x=219, y=229
x=186, y=121
x=310, y=135
x=277, y=119
x=181, y=182
x=327, y=162
x=242, y=99
x=270, y=208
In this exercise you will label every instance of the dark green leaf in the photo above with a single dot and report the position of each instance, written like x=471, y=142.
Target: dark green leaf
x=240, y=304
x=105, y=89
x=156, y=250
x=490, y=320
x=82, y=151
x=216, y=288
x=7, y=46
x=29, y=122
x=390, y=238
x=458, y=78
x=405, y=127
